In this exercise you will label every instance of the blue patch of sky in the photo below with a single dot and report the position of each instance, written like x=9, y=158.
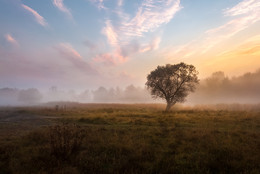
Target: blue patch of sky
x=131, y=7
x=194, y=19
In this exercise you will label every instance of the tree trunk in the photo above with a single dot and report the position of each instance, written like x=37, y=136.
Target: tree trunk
x=168, y=107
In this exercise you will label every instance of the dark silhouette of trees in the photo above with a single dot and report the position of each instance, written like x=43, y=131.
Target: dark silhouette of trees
x=172, y=82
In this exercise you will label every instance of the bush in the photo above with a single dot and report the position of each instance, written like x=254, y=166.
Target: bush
x=65, y=141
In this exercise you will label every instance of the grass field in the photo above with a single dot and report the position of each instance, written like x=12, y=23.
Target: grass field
x=114, y=138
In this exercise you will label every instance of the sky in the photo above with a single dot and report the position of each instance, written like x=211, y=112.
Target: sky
x=85, y=44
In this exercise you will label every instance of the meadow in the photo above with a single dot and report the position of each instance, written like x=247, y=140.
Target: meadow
x=129, y=138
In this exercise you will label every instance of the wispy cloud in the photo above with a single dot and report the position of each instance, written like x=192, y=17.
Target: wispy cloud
x=226, y=31
x=250, y=11
x=38, y=17
x=251, y=14
x=123, y=34
x=152, y=46
x=111, y=58
x=60, y=5
x=9, y=38
x=120, y=54
x=99, y=3
x=106, y=59
x=243, y=15
x=246, y=6
x=67, y=50
x=20, y=68
x=69, y=54
x=150, y=15
x=110, y=33
x=250, y=47
x=120, y=3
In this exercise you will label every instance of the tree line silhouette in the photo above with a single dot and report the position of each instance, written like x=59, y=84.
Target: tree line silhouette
x=217, y=88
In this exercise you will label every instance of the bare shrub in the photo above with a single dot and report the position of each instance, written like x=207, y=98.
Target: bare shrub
x=65, y=140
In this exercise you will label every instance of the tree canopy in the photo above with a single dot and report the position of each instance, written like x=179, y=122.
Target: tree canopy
x=172, y=82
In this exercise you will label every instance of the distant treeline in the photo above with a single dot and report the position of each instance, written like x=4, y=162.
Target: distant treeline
x=14, y=96
x=217, y=88
x=131, y=94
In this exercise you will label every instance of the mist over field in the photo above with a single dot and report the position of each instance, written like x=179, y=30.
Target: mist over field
x=217, y=88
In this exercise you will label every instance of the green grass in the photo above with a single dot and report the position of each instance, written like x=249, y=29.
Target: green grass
x=129, y=139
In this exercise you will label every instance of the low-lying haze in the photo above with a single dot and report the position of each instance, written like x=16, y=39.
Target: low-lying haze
x=217, y=88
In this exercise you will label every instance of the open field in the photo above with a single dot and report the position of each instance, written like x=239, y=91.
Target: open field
x=114, y=138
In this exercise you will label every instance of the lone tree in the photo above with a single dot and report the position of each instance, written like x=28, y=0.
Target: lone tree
x=172, y=82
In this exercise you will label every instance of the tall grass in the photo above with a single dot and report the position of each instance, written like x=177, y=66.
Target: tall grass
x=135, y=139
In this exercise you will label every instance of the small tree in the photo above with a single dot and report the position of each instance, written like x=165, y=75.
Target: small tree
x=172, y=82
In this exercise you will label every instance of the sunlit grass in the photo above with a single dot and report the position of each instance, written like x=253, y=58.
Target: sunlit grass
x=133, y=139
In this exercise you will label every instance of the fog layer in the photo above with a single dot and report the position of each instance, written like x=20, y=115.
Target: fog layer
x=217, y=88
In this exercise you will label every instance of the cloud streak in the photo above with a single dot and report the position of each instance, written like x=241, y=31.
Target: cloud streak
x=121, y=53
x=123, y=35
x=99, y=4
x=152, y=46
x=112, y=58
x=60, y=5
x=251, y=14
x=9, y=38
x=150, y=15
x=246, y=6
x=67, y=50
x=250, y=47
x=110, y=33
x=38, y=17
x=73, y=57
x=243, y=15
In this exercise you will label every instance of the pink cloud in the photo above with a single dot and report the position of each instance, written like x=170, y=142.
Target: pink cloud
x=67, y=50
x=9, y=38
x=111, y=59
x=123, y=35
x=152, y=46
x=60, y=5
x=106, y=59
x=120, y=54
x=121, y=58
x=38, y=17
x=18, y=68
x=110, y=33
x=150, y=15
x=74, y=58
